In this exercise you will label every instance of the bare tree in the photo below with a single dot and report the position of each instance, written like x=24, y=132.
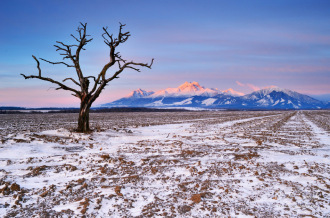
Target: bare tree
x=88, y=94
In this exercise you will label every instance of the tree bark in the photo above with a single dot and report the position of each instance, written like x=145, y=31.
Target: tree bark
x=83, y=120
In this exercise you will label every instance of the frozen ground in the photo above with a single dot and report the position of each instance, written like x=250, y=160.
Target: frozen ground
x=186, y=164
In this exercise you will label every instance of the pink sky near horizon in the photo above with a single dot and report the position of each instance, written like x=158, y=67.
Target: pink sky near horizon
x=49, y=97
x=46, y=96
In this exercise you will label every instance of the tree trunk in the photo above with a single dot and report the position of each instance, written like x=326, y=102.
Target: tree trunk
x=83, y=120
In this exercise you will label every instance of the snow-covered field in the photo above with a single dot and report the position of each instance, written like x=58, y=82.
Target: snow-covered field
x=185, y=164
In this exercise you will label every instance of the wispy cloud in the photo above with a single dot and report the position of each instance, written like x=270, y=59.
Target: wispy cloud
x=249, y=85
x=271, y=86
x=253, y=87
x=240, y=84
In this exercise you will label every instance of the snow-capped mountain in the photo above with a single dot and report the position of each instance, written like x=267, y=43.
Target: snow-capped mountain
x=276, y=97
x=139, y=93
x=186, y=89
x=194, y=95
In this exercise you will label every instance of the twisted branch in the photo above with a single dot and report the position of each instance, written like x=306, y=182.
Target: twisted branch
x=113, y=43
x=74, y=81
x=129, y=65
x=61, y=85
x=68, y=65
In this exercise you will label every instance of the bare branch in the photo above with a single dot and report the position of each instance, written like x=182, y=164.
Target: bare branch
x=66, y=51
x=115, y=57
x=82, y=39
x=103, y=83
x=109, y=43
x=91, y=77
x=97, y=82
x=61, y=85
x=119, y=58
x=136, y=69
x=75, y=38
x=82, y=42
x=68, y=65
x=74, y=81
x=129, y=65
x=38, y=65
x=114, y=42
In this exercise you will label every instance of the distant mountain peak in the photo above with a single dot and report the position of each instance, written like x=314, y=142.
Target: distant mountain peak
x=186, y=89
x=267, y=90
x=190, y=86
x=275, y=96
x=139, y=93
x=275, y=88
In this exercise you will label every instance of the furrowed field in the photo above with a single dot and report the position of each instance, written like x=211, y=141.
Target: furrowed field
x=185, y=164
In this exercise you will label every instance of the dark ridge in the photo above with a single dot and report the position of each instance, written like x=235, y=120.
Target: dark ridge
x=18, y=110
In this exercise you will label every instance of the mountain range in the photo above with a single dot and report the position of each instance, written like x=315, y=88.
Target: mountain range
x=191, y=94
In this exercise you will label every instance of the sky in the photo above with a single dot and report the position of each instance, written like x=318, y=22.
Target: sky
x=244, y=45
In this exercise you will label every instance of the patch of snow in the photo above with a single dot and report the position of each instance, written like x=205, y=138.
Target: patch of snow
x=161, y=167
x=184, y=102
x=276, y=102
x=156, y=103
x=263, y=102
x=209, y=101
